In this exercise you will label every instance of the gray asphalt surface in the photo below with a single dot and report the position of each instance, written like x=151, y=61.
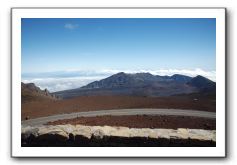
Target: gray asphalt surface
x=120, y=112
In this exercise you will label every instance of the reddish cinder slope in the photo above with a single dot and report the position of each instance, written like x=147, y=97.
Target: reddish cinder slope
x=40, y=108
x=143, y=121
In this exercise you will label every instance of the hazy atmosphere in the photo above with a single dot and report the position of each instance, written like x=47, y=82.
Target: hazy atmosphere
x=60, y=54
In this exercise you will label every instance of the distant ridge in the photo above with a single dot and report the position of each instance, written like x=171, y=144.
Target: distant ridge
x=143, y=84
x=134, y=80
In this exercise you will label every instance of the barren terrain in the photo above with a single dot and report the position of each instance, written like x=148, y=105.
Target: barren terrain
x=42, y=108
x=143, y=121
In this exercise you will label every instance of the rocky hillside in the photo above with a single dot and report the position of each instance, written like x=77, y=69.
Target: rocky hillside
x=203, y=84
x=123, y=80
x=30, y=92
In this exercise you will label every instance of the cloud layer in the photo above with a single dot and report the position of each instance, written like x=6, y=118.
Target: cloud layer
x=63, y=80
x=59, y=84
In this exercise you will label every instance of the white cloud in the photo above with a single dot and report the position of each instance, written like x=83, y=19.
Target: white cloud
x=57, y=81
x=70, y=26
x=59, y=84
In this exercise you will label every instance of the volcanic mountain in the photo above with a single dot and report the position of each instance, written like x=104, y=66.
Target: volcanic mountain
x=30, y=92
x=143, y=84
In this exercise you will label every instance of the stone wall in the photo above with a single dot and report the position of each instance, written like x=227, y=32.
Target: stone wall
x=101, y=136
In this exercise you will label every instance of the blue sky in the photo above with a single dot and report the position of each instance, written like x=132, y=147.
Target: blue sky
x=63, y=44
x=131, y=44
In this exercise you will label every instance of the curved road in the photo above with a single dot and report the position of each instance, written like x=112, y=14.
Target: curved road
x=120, y=112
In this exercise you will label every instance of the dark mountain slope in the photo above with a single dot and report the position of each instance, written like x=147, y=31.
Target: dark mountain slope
x=203, y=84
x=181, y=78
x=142, y=84
x=123, y=80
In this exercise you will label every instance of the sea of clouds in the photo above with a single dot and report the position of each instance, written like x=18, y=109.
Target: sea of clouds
x=71, y=79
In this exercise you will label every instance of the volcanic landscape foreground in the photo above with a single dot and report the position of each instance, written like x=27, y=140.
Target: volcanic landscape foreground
x=127, y=91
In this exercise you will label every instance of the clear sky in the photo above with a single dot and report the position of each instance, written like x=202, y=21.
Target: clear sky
x=93, y=44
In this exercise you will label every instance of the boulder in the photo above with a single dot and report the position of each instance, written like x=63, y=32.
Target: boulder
x=80, y=135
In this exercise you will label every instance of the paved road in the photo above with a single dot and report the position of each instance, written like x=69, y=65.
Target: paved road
x=120, y=112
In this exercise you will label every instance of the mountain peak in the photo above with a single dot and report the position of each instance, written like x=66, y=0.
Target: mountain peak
x=120, y=73
x=199, y=77
x=203, y=83
x=181, y=78
x=142, y=84
x=125, y=80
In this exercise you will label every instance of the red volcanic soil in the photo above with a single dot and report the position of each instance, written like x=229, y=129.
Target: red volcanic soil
x=143, y=121
x=35, y=109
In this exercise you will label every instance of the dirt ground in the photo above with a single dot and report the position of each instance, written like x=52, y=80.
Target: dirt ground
x=37, y=109
x=143, y=121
